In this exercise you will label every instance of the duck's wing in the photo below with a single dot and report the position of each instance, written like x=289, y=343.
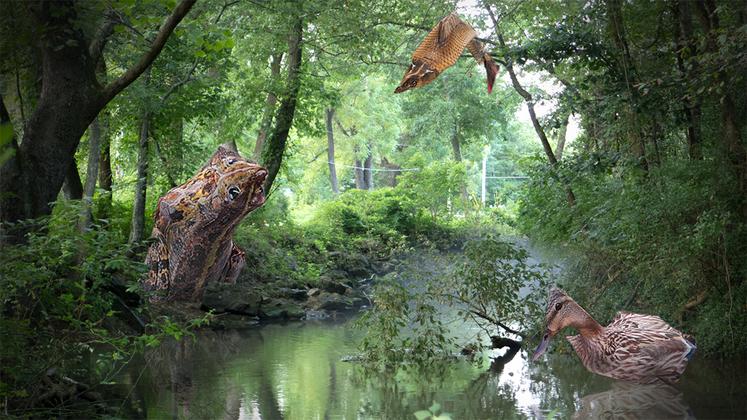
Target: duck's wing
x=645, y=346
x=625, y=320
x=444, y=43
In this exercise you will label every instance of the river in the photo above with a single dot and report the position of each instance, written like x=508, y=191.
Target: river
x=296, y=371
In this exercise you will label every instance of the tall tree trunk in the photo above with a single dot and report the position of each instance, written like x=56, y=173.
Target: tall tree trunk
x=272, y=153
x=360, y=181
x=9, y=148
x=173, y=130
x=619, y=36
x=270, y=102
x=368, y=171
x=571, y=197
x=329, y=114
x=72, y=188
x=34, y=175
x=687, y=48
x=456, y=149
x=707, y=13
x=105, y=170
x=92, y=172
x=137, y=227
x=562, y=133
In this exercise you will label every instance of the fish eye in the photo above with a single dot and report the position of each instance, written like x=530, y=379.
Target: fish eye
x=233, y=192
x=558, y=306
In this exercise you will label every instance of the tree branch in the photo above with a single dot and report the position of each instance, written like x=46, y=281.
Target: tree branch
x=530, y=106
x=146, y=60
x=314, y=159
x=494, y=321
x=342, y=128
x=187, y=77
x=96, y=47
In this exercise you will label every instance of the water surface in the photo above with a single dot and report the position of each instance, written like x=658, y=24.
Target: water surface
x=295, y=371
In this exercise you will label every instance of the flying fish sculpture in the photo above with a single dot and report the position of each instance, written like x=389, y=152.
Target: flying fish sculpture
x=440, y=50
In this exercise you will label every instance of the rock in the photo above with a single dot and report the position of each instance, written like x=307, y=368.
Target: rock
x=331, y=286
x=281, y=309
x=313, y=292
x=331, y=302
x=233, y=322
x=223, y=297
x=295, y=294
x=357, y=265
x=353, y=358
x=353, y=265
x=339, y=275
x=312, y=314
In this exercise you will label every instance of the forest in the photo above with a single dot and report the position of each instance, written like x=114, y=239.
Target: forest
x=393, y=253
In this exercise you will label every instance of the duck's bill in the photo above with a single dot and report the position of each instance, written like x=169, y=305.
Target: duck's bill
x=542, y=346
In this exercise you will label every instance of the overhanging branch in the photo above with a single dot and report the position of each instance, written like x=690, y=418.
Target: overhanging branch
x=494, y=321
x=146, y=60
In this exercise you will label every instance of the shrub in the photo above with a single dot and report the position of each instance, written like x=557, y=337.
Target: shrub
x=668, y=243
x=57, y=307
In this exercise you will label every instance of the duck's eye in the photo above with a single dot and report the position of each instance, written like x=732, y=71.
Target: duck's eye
x=558, y=306
x=234, y=192
x=231, y=161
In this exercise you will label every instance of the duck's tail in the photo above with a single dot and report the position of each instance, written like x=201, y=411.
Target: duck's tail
x=690, y=342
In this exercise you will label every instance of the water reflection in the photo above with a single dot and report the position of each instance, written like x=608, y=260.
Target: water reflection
x=295, y=371
x=633, y=401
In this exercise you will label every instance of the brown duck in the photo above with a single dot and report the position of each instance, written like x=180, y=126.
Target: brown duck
x=633, y=347
x=440, y=50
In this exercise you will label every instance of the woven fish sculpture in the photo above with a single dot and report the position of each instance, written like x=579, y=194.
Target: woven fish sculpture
x=440, y=50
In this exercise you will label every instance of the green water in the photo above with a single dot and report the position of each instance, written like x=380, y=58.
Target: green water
x=295, y=371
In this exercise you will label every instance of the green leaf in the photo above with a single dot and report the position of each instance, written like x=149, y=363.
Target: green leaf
x=435, y=408
x=422, y=414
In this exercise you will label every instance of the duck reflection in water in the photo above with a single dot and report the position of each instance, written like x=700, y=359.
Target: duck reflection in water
x=635, y=401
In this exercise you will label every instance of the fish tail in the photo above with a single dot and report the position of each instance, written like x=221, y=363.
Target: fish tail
x=491, y=68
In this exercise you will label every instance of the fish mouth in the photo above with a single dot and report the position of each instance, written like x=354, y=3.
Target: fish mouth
x=259, y=196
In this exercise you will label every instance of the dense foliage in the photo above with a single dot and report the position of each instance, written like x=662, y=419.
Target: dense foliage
x=448, y=303
x=122, y=100
x=60, y=318
x=660, y=221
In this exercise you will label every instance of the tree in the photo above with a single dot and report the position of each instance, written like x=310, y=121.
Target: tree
x=272, y=155
x=329, y=115
x=530, y=107
x=270, y=103
x=32, y=178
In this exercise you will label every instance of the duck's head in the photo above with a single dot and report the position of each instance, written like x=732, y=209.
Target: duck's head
x=562, y=311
